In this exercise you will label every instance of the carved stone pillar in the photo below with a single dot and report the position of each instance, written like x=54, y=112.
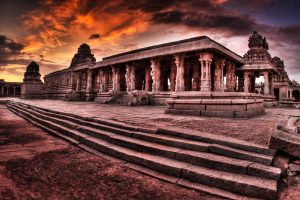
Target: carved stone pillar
x=2, y=90
x=230, y=76
x=179, y=61
x=240, y=82
x=116, y=78
x=133, y=78
x=148, y=79
x=72, y=81
x=266, y=83
x=246, y=81
x=101, y=80
x=89, y=81
x=106, y=80
x=218, y=78
x=156, y=74
x=205, y=60
x=7, y=90
x=172, y=76
x=130, y=79
x=97, y=84
x=271, y=84
x=196, y=77
x=78, y=82
x=14, y=90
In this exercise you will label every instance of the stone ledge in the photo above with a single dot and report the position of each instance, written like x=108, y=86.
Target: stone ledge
x=215, y=101
x=213, y=113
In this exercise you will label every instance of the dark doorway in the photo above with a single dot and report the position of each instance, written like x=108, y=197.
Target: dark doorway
x=276, y=93
x=296, y=94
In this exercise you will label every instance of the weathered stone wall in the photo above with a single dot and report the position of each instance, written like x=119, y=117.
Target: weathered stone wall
x=59, y=84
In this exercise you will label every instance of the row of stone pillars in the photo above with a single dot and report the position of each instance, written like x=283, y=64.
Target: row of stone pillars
x=249, y=82
x=152, y=77
x=2, y=90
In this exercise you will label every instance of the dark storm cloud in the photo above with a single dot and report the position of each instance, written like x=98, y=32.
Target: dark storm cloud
x=151, y=6
x=170, y=17
x=9, y=51
x=234, y=25
x=94, y=36
x=290, y=33
x=9, y=46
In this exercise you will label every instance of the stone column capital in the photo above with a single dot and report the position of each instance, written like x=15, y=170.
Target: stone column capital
x=155, y=61
x=220, y=62
x=206, y=56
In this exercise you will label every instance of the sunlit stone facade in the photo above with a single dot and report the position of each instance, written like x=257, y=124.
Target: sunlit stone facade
x=198, y=66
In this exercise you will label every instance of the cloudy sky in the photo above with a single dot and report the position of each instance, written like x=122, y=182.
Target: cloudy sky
x=50, y=31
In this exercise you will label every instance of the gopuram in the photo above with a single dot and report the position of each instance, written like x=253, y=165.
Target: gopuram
x=32, y=87
x=196, y=76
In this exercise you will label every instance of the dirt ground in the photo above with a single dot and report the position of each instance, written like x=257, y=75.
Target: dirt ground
x=35, y=165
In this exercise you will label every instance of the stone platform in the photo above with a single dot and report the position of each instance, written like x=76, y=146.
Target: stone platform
x=289, y=104
x=216, y=104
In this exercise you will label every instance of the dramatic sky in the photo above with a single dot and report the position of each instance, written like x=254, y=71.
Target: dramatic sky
x=50, y=31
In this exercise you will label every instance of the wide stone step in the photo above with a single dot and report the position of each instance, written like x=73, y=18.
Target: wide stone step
x=198, y=158
x=70, y=116
x=177, y=132
x=217, y=139
x=181, y=143
x=238, y=183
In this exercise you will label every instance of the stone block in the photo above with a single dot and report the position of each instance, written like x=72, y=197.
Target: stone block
x=210, y=113
x=257, y=169
x=254, y=106
x=189, y=107
x=216, y=101
x=281, y=162
x=226, y=107
x=187, y=101
x=242, y=101
x=294, y=167
x=286, y=142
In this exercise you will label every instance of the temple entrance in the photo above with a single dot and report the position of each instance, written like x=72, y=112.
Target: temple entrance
x=122, y=74
x=140, y=75
x=276, y=93
x=296, y=95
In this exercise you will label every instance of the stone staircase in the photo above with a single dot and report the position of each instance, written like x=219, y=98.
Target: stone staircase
x=110, y=86
x=104, y=97
x=216, y=165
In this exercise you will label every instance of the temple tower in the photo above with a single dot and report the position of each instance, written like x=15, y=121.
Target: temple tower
x=32, y=86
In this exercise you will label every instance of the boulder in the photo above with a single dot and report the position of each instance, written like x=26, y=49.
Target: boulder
x=139, y=98
x=286, y=142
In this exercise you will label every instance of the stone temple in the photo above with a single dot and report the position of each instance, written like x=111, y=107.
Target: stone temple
x=251, y=158
x=196, y=76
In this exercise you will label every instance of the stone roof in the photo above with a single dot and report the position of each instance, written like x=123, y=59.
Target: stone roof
x=182, y=46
